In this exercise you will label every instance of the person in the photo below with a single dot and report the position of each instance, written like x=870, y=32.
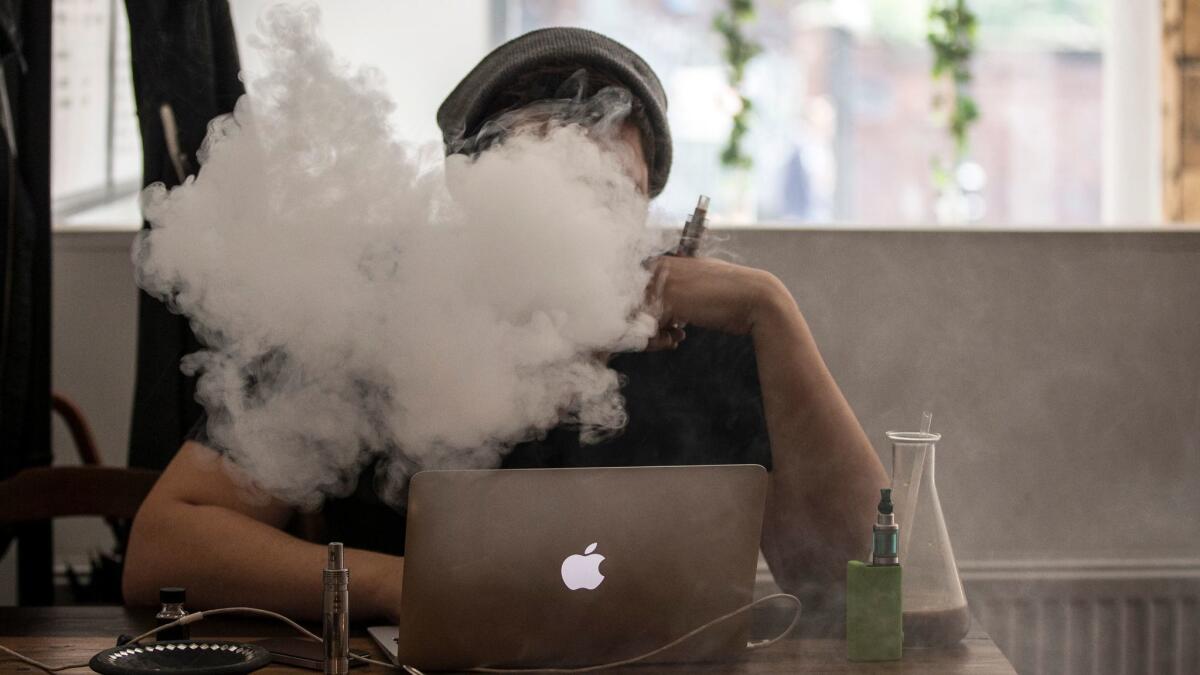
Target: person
x=744, y=382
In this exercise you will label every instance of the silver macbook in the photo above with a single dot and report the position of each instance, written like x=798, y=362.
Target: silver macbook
x=575, y=567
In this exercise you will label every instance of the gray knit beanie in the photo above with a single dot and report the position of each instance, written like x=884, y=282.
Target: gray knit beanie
x=461, y=114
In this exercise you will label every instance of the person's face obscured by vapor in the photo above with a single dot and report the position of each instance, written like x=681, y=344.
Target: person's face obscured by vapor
x=354, y=309
x=633, y=157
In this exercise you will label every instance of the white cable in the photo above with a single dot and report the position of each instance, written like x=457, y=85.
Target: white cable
x=198, y=616
x=38, y=664
x=763, y=644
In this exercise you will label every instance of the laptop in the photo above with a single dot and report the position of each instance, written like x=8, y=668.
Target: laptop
x=575, y=567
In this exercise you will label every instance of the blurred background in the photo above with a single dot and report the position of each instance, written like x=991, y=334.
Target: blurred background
x=842, y=129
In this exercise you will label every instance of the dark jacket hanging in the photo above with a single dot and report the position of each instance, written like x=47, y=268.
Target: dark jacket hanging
x=25, y=269
x=185, y=72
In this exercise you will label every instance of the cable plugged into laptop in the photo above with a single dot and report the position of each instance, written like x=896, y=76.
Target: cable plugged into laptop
x=198, y=616
x=412, y=670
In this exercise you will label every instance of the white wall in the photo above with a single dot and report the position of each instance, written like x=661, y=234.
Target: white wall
x=93, y=343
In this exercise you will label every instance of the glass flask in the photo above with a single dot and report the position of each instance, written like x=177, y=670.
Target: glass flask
x=935, y=608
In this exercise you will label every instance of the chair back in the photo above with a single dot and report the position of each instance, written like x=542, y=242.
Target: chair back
x=46, y=492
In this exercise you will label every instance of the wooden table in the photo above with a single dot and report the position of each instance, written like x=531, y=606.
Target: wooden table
x=61, y=635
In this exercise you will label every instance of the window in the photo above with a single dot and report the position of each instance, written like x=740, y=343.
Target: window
x=842, y=130
x=96, y=147
x=422, y=49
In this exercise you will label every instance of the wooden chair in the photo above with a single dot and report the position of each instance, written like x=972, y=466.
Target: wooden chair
x=77, y=425
x=40, y=494
x=48, y=492
x=35, y=496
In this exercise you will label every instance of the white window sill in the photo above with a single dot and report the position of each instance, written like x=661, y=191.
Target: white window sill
x=122, y=215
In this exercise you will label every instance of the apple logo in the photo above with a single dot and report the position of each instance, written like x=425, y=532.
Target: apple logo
x=583, y=571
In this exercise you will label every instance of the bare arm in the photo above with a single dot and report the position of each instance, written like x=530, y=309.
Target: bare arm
x=825, y=478
x=200, y=529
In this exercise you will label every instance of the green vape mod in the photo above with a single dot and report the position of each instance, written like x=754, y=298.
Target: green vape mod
x=874, y=615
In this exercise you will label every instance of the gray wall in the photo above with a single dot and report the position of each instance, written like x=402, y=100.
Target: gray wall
x=1062, y=369
x=93, y=345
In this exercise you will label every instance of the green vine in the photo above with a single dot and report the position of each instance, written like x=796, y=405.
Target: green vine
x=951, y=35
x=738, y=51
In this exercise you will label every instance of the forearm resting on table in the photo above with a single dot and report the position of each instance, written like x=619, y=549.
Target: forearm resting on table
x=826, y=476
x=225, y=556
x=224, y=559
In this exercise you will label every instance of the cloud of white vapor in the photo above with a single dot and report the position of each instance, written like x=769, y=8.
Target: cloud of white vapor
x=358, y=303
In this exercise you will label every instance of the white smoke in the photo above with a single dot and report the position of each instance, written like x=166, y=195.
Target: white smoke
x=359, y=303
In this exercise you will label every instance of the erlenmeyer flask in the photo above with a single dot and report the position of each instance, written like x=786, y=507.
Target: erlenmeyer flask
x=935, y=608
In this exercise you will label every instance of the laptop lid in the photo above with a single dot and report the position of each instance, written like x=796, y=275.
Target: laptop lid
x=569, y=567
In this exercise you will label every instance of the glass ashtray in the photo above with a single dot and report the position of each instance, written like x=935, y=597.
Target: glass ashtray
x=197, y=657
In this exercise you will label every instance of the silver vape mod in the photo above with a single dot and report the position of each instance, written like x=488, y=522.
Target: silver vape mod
x=337, y=612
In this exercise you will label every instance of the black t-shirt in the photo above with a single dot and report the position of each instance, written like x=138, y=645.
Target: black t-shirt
x=697, y=404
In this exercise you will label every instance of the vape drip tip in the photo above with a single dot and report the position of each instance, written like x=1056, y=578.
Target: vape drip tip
x=336, y=557
x=885, y=501
x=885, y=542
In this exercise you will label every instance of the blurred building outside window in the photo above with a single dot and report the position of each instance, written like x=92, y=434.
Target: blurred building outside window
x=842, y=132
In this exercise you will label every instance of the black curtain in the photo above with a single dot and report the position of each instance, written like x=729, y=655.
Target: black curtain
x=25, y=270
x=185, y=72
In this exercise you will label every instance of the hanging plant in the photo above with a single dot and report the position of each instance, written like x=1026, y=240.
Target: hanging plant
x=738, y=52
x=951, y=36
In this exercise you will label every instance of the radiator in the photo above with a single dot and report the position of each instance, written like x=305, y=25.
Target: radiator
x=1084, y=617
x=1068, y=617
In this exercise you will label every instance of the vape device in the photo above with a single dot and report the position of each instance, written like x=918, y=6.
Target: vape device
x=336, y=634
